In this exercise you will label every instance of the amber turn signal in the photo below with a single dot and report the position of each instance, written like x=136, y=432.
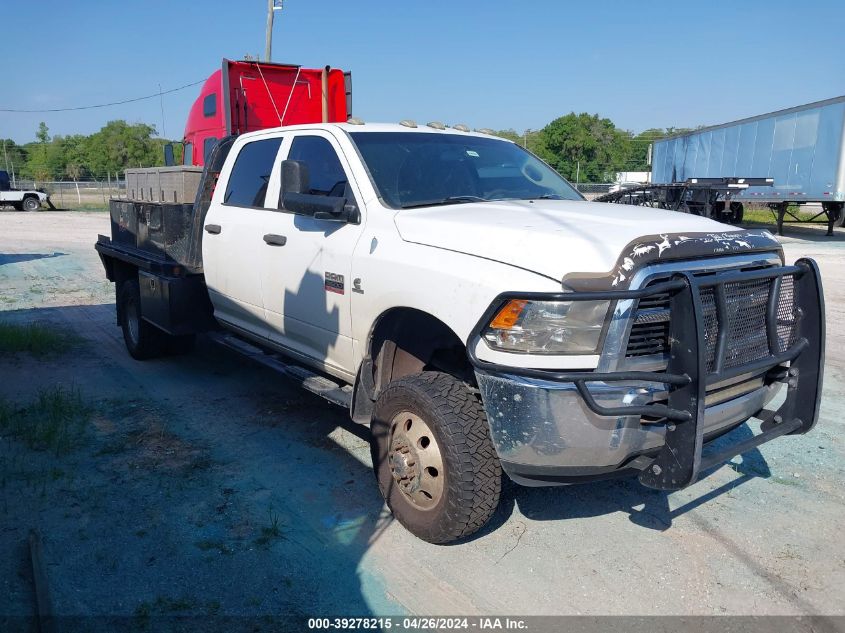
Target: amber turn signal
x=507, y=317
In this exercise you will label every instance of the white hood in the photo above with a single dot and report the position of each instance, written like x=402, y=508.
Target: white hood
x=549, y=237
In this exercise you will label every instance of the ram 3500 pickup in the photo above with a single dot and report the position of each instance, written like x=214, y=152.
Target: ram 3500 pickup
x=465, y=302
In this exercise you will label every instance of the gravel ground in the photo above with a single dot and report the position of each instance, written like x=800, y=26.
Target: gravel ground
x=205, y=484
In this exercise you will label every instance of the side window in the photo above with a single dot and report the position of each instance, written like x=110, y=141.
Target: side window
x=325, y=172
x=247, y=186
x=209, y=105
x=188, y=154
x=208, y=145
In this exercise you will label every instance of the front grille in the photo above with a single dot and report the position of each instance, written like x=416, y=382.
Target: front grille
x=747, y=336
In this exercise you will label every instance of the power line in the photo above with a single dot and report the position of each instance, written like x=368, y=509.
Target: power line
x=105, y=105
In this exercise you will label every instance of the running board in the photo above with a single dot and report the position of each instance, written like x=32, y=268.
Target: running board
x=307, y=379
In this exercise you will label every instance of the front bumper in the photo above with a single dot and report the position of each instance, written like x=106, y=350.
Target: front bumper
x=558, y=427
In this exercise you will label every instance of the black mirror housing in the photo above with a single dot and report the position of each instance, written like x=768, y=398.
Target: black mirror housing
x=331, y=208
x=295, y=177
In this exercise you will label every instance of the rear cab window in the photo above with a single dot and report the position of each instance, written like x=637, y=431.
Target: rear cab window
x=250, y=175
x=209, y=105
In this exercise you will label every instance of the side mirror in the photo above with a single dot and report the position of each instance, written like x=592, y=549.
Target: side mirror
x=331, y=208
x=169, y=159
x=295, y=177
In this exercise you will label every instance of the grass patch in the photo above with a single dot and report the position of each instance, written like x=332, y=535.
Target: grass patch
x=764, y=215
x=34, y=338
x=54, y=421
x=272, y=532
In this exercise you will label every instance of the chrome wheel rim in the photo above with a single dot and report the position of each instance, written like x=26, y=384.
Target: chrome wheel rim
x=416, y=463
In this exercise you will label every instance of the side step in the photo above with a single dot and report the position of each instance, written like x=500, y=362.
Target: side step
x=307, y=379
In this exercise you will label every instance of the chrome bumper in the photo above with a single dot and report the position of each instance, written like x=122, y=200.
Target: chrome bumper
x=545, y=434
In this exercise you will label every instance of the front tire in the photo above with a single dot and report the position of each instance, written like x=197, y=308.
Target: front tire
x=143, y=340
x=433, y=458
x=31, y=204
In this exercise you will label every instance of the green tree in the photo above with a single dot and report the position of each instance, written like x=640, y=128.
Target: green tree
x=585, y=147
x=12, y=157
x=119, y=145
x=43, y=133
x=37, y=165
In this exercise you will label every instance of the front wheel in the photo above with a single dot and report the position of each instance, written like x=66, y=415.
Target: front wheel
x=433, y=458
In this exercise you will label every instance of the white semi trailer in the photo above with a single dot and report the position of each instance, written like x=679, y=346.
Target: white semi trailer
x=802, y=149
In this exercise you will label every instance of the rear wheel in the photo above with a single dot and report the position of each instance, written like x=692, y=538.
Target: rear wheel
x=31, y=204
x=433, y=458
x=143, y=340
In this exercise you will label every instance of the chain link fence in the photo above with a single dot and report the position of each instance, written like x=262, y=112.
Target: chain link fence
x=89, y=194
x=591, y=190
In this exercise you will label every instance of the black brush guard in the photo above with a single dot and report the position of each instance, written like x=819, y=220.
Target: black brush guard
x=680, y=461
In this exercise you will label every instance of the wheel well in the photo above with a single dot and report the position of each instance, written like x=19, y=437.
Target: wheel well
x=406, y=341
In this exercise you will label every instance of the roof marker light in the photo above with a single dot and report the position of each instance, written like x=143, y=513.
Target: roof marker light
x=460, y=127
x=437, y=125
x=486, y=130
x=353, y=120
x=408, y=123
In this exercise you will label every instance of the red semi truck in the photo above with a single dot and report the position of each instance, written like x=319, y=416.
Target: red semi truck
x=245, y=96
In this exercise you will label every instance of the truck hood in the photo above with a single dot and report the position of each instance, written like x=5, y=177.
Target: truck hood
x=557, y=237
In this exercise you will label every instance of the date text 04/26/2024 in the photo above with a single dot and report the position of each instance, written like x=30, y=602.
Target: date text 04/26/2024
x=419, y=624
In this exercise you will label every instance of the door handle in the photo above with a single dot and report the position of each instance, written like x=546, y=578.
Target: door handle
x=275, y=240
x=214, y=229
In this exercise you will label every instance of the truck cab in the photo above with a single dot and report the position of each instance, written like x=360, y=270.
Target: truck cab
x=483, y=318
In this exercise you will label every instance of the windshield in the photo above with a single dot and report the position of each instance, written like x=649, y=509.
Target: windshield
x=413, y=169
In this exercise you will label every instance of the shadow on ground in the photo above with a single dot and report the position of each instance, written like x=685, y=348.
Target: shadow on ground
x=205, y=485
x=17, y=258
x=646, y=507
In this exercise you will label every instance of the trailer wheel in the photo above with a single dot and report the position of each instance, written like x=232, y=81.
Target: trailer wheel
x=837, y=209
x=433, y=458
x=737, y=212
x=31, y=203
x=143, y=340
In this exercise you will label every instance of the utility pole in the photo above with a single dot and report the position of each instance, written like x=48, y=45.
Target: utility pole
x=161, y=104
x=272, y=6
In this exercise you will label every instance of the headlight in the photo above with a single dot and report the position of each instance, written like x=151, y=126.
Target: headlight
x=547, y=327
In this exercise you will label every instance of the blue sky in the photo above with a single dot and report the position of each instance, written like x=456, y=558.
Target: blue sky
x=486, y=63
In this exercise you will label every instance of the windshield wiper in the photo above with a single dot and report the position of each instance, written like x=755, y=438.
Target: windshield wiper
x=547, y=196
x=444, y=201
